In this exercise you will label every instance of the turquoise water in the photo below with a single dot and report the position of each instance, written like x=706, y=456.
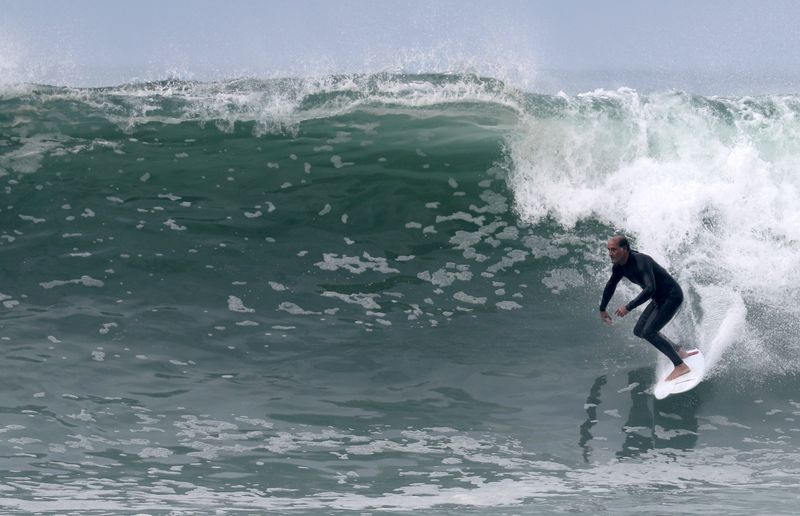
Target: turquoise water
x=363, y=294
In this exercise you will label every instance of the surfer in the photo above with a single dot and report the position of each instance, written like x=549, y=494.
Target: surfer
x=658, y=286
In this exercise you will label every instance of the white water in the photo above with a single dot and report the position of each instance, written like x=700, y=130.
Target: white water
x=709, y=187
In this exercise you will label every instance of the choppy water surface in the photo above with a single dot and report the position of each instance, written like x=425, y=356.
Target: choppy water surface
x=378, y=293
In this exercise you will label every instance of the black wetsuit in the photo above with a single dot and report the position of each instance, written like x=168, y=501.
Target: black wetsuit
x=657, y=285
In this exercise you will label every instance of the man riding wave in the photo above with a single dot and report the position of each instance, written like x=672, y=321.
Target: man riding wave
x=659, y=287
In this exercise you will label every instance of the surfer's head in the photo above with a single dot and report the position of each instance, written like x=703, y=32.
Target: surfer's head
x=618, y=249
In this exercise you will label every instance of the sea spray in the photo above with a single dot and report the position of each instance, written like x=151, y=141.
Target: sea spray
x=707, y=186
x=253, y=327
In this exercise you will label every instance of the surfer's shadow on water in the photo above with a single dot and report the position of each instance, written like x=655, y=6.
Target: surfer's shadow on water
x=649, y=424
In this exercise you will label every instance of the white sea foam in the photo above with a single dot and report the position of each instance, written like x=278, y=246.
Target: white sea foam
x=107, y=327
x=235, y=304
x=30, y=218
x=86, y=281
x=148, y=453
x=708, y=187
x=171, y=224
x=466, y=298
x=354, y=264
x=365, y=300
x=294, y=309
x=447, y=275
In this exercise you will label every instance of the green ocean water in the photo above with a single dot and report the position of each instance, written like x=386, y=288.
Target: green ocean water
x=378, y=294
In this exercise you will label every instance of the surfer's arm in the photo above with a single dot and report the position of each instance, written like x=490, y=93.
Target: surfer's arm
x=611, y=287
x=648, y=283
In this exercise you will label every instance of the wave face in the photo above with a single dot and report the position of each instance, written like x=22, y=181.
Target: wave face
x=708, y=186
x=367, y=291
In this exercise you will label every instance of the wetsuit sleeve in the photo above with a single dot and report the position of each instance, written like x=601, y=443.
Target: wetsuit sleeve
x=611, y=286
x=645, y=266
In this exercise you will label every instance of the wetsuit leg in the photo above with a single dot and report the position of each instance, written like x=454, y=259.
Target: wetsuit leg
x=655, y=317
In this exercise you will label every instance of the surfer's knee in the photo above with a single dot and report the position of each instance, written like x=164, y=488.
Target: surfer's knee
x=645, y=331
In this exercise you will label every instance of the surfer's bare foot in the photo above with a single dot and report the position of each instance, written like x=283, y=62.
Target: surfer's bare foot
x=679, y=370
x=683, y=354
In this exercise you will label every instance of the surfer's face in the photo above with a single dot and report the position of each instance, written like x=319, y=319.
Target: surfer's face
x=617, y=254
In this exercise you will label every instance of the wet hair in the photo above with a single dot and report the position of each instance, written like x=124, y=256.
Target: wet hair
x=623, y=242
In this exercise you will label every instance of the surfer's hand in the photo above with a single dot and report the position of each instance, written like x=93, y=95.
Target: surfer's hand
x=605, y=317
x=622, y=311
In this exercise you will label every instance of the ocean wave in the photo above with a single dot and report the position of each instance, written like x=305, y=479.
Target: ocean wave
x=707, y=185
x=274, y=106
x=380, y=293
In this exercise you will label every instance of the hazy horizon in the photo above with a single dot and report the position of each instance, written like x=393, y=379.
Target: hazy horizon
x=713, y=47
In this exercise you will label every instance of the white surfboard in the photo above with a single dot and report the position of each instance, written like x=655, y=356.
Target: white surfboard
x=683, y=383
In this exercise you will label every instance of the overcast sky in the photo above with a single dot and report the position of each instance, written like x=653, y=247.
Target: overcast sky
x=694, y=45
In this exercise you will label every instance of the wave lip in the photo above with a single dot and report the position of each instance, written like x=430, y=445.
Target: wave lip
x=274, y=105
